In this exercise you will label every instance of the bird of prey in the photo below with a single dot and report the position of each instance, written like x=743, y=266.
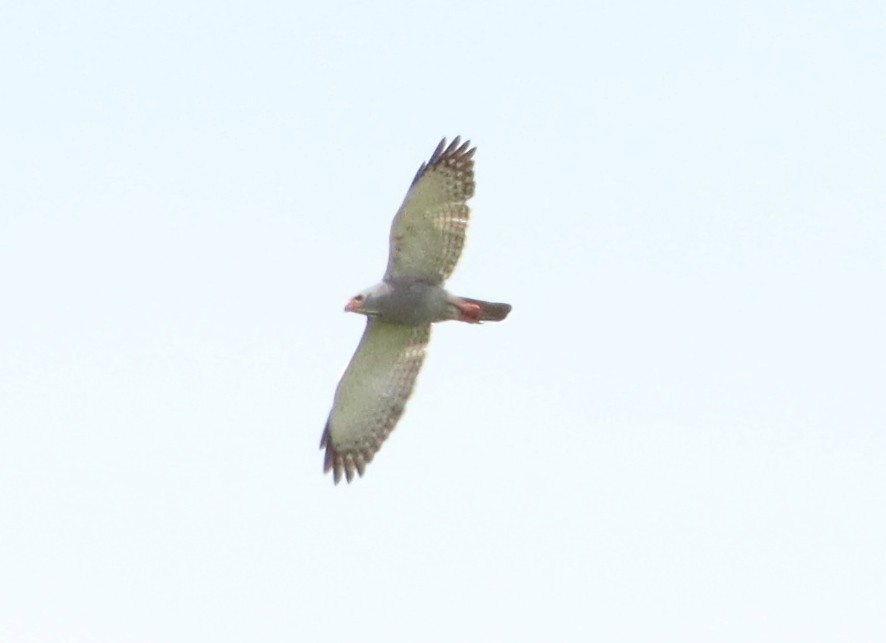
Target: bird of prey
x=426, y=239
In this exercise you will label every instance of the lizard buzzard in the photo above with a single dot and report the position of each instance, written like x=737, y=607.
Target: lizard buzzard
x=426, y=239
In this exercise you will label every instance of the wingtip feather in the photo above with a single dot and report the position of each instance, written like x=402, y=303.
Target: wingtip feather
x=456, y=148
x=342, y=465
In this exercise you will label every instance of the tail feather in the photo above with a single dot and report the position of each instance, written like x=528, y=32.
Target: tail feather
x=489, y=311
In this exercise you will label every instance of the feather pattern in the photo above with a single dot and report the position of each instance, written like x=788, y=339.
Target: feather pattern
x=428, y=232
x=372, y=394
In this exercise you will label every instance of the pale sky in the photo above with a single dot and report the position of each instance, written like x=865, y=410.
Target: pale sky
x=679, y=434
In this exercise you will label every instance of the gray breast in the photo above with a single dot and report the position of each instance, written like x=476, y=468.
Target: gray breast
x=414, y=304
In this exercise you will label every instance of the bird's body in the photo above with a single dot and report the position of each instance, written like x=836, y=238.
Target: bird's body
x=426, y=240
x=416, y=303
x=412, y=303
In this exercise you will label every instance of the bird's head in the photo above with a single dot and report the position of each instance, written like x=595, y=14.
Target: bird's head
x=366, y=302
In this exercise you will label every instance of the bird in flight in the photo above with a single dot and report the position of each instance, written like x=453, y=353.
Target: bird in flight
x=426, y=240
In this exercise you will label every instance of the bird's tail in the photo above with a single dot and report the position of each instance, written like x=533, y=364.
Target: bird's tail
x=477, y=310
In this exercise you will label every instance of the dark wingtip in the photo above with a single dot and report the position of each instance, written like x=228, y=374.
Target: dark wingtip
x=331, y=459
x=444, y=151
x=324, y=439
x=342, y=466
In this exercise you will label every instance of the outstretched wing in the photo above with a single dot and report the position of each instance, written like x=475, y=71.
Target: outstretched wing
x=428, y=232
x=372, y=394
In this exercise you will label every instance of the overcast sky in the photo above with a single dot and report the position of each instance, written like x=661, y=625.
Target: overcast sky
x=679, y=434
